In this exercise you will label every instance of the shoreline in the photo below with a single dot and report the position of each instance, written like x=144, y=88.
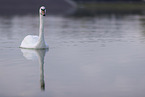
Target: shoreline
x=112, y=6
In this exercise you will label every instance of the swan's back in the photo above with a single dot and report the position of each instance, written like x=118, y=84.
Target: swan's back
x=29, y=41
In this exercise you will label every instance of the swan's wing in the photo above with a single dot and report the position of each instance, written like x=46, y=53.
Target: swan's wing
x=29, y=41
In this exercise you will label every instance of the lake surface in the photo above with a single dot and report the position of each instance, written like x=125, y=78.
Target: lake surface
x=99, y=56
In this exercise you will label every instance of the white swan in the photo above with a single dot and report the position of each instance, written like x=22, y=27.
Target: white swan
x=33, y=41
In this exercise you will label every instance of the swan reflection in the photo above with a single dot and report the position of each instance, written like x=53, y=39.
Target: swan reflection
x=39, y=55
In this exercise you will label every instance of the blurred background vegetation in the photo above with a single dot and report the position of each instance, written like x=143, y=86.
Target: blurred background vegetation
x=108, y=0
x=93, y=7
x=72, y=7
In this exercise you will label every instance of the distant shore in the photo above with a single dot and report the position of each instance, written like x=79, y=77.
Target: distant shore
x=112, y=6
x=9, y=7
x=103, y=8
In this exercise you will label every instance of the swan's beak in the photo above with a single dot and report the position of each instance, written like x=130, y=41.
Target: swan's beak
x=43, y=13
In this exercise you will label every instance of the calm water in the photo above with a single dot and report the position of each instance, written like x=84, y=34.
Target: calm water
x=101, y=56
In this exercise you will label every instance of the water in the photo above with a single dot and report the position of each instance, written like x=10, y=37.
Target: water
x=88, y=56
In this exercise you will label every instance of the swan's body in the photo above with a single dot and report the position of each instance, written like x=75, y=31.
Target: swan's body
x=33, y=41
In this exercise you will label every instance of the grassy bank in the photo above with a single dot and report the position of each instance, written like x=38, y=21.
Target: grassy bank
x=113, y=6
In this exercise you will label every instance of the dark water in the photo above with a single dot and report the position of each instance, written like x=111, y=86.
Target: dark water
x=100, y=56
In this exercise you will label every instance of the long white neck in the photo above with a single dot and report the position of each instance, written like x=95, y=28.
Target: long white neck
x=41, y=41
x=41, y=29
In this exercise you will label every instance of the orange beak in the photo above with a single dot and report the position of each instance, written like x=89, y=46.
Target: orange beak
x=43, y=13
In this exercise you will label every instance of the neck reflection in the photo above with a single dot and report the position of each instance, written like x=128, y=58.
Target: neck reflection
x=37, y=54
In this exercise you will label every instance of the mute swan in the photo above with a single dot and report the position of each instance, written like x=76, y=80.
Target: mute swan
x=33, y=41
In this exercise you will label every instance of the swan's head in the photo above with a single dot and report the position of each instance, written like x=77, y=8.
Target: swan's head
x=42, y=11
